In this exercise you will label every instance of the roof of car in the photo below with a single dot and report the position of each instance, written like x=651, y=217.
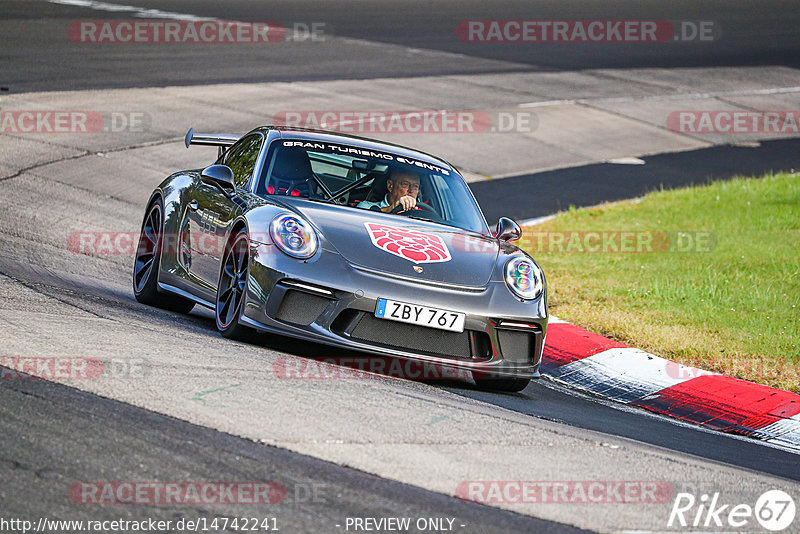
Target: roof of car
x=306, y=134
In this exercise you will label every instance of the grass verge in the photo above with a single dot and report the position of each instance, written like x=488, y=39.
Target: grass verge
x=708, y=276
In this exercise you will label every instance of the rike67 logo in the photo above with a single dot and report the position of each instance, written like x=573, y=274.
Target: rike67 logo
x=774, y=510
x=412, y=245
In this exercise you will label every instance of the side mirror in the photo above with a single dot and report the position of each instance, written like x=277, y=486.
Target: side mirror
x=507, y=230
x=222, y=175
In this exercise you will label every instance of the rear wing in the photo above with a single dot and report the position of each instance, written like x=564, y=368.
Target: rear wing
x=223, y=141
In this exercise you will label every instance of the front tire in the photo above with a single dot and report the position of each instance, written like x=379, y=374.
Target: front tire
x=232, y=288
x=148, y=262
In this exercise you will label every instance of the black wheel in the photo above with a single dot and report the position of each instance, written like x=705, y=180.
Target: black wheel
x=506, y=384
x=148, y=261
x=232, y=287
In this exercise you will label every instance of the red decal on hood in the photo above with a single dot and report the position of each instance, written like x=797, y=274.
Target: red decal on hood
x=412, y=245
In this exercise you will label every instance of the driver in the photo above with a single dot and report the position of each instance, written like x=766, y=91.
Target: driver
x=402, y=187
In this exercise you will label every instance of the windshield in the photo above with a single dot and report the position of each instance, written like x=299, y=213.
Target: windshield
x=370, y=180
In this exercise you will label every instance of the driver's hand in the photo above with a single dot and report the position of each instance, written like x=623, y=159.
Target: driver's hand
x=408, y=202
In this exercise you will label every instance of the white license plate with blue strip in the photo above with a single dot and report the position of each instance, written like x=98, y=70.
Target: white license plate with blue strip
x=405, y=312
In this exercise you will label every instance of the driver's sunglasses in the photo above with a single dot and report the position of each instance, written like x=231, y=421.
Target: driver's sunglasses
x=411, y=186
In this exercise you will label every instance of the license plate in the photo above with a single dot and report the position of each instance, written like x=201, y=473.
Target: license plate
x=405, y=312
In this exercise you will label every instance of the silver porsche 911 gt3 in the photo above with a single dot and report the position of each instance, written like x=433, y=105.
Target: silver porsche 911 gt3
x=345, y=241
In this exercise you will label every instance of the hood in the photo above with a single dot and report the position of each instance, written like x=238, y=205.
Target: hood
x=395, y=244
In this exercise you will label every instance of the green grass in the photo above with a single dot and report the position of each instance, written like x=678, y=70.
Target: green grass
x=731, y=304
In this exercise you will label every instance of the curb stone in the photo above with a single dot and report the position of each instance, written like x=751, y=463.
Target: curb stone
x=615, y=371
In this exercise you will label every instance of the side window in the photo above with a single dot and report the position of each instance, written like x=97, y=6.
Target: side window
x=241, y=158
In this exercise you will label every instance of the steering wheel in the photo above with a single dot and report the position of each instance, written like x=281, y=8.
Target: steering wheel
x=420, y=205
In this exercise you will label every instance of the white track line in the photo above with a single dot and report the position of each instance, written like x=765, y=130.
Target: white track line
x=137, y=11
x=681, y=96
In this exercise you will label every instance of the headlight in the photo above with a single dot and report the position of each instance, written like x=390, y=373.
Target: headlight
x=524, y=278
x=294, y=236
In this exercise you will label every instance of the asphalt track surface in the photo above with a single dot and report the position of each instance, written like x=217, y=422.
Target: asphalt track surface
x=523, y=197
x=53, y=435
x=54, y=453
x=40, y=57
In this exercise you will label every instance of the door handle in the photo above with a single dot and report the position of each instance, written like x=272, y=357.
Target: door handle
x=193, y=205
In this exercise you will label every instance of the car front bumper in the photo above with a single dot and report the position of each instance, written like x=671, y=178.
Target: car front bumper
x=329, y=301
